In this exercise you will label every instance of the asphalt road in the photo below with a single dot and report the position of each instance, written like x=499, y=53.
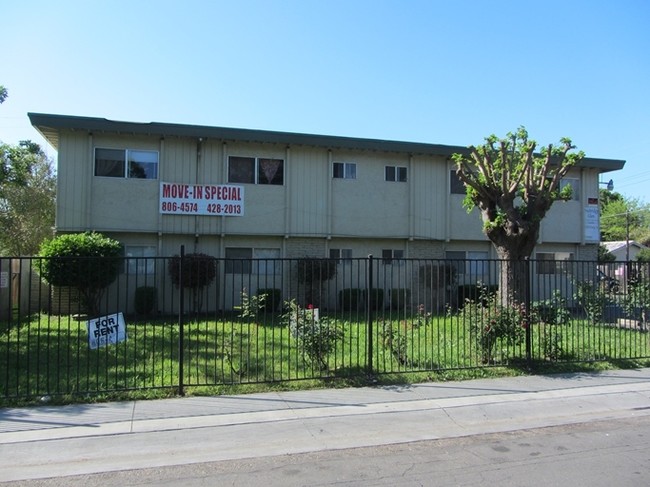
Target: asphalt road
x=603, y=453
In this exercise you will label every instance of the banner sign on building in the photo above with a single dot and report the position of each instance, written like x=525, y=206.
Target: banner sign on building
x=592, y=221
x=201, y=199
x=106, y=330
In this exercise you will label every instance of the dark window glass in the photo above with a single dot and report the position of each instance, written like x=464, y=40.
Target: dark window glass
x=241, y=170
x=270, y=171
x=110, y=163
x=238, y=260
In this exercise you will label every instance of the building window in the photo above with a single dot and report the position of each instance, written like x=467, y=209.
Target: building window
x=140, y=259
x=343, y=255
x=471, y=263
x=396, y=173
x=575, y=187
x=120, y=163
x=253, y=170
x=389, y=255
x=551, y=263
x=344, y=170
x=269, y=261
x=238, y=260
x=456, y=186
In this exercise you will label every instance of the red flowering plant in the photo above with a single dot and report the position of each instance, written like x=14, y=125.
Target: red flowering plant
x=492, y=323
x=316, y=336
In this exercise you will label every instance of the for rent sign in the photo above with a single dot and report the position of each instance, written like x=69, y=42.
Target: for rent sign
x=105, y=330
x=201, y=199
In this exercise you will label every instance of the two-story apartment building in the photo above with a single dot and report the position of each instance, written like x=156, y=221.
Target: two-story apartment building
x=244, y=193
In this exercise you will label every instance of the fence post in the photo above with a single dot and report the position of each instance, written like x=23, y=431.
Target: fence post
x=181, y=330
x=527, y=304
x=369, y=290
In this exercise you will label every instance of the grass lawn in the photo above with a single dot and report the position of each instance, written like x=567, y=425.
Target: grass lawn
x=49, y=356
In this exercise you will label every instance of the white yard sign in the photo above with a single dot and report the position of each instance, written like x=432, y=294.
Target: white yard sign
x=105, y=330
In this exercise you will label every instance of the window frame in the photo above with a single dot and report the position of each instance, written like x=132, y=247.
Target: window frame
x=456, y=185
x=142, y=265
x=348, y=170
x=399, y=174
x=575, y=187
x=341, y=255
x=127, y=171
x=390, y=255
x=545, y=266
x=257, y=173
x=239, y=265
x=468, y=263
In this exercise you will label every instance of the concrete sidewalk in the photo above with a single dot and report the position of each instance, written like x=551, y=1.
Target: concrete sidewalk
x=51, y=441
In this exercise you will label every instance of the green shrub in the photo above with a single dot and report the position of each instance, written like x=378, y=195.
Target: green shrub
x=474, y=292
x=251, y=306
x=376, y=298
x=144, y=299
x=399, y=298
x=89, y=262
x=491, y=323
x=199, y=270
x=349, y=299
x=316, y=336
x=272, y=301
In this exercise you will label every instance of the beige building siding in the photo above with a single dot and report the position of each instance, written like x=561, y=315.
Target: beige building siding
x=308, y=184
x=428, y=199
x=73, y=182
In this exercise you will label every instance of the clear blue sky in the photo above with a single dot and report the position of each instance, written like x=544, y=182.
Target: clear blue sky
x=437, y=71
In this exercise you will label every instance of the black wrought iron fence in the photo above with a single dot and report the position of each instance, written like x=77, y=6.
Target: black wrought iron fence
x=194, y=320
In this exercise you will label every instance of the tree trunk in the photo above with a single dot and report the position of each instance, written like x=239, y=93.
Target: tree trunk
x=514, y=276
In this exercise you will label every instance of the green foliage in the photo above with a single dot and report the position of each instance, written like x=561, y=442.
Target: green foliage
x=622, y=218
x=491, y=323
x=316, y=336
x=27, y=198
x=313, y=270
x=637, y=299
x=376, y=298
x=605, y=255
x=350, y=299
x=87, y=261
x=272, y=301
x=400, y=298
x=643, y=255
x=3, y=94
x=593, y=298
x=199, y=270
x=144, y=299
x=550, y=316
x=251, y=306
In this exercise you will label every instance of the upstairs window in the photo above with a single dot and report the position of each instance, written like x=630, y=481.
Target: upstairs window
x=344, y=170
x=395, y=173
x=575, y=187
x=121, y=163
x=255, y=170
x=140, y=259
x=456, y=186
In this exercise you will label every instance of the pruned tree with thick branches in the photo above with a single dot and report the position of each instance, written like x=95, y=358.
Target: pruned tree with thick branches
x=513, y=186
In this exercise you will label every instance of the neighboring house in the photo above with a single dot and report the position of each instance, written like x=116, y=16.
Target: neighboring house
x=624, y=250
x=238, y=193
